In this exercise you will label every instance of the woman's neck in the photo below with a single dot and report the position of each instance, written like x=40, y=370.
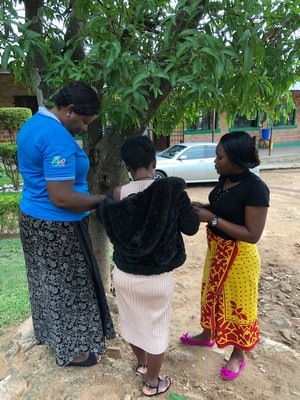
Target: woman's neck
x=239, y=176
x=142, y=174
x=142, y=178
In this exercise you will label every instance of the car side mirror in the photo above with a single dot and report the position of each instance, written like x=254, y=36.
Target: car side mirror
x=182, y=158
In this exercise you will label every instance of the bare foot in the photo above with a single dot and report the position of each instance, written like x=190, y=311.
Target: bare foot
x=161, y=386
x=234, y=364
x=235, y=361
x=141, y=369
x=204, y=336
x=84, y=357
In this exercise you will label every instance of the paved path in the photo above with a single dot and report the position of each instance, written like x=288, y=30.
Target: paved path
x=280, y=157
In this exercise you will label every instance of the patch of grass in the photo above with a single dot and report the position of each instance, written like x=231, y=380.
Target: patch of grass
x=6, y=180
x=14, y=295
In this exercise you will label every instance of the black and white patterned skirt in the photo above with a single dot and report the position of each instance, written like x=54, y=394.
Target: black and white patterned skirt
x=68, y=312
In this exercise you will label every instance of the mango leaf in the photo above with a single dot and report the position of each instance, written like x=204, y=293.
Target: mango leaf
x=211, y=52
x=5, y=57
x=248, y=56
x=93, y=50
x=139, y=78
x=189, y=32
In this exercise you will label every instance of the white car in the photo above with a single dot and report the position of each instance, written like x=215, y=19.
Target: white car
x=193, y=162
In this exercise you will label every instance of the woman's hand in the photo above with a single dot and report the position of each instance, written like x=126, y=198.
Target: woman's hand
x=203, y=213
x=198, y=204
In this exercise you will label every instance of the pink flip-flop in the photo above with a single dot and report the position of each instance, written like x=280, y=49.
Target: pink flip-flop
x=185, y=338
x=229, y=375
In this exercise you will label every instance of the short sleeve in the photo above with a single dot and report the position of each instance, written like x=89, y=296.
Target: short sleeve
x=259, y=194
x=59, y=158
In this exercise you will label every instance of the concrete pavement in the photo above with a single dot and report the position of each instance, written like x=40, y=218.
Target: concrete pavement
x=280, y=157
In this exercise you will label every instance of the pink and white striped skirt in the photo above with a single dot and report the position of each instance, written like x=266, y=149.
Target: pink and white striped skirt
x=144, y=304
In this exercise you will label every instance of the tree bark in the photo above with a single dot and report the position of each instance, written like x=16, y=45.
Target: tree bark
x=106, y=172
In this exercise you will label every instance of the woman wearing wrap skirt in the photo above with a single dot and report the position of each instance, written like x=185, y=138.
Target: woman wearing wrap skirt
x=68, y=302
x=236, y=216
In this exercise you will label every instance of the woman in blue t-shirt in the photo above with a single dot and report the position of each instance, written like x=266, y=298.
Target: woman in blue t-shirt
x=68, y=303
x=236, y=216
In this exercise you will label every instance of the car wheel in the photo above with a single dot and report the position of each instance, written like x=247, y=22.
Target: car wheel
x=159, y=175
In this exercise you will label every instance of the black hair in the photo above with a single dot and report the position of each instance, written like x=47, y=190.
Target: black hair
x=81, y=95
x=240, y=148
x=138, y=152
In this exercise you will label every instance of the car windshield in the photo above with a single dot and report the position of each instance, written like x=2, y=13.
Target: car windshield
x=172, y=151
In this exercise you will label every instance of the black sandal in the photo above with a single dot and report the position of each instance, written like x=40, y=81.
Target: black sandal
x=160, y=379
x=88, y=362
x=140, y=366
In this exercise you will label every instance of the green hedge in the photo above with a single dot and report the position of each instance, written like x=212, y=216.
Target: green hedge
x=8, y=156
x=9, y=210
x=12, y=118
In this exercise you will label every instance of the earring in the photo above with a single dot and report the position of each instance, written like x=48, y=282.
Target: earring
x=68, y=114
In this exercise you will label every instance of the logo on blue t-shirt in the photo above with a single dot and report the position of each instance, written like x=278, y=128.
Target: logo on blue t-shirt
x=57, y=161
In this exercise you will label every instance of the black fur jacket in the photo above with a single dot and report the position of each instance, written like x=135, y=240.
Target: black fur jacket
x=145, y=228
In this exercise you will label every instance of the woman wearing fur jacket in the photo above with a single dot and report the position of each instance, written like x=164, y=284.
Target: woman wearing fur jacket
x=145, y=220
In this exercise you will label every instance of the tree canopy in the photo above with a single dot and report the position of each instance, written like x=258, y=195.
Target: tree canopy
x=157, y=60
x=152, y=61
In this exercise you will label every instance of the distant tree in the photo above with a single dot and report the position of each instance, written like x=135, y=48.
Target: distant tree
x=11, y=119
x=153, y=60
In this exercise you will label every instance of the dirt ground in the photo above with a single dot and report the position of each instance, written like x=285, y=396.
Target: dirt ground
x=272, y=371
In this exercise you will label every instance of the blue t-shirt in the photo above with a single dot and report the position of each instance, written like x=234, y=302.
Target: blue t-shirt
x=47, y=152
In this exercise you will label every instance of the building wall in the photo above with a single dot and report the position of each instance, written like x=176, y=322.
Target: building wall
x=280, y=136
x=9, y=89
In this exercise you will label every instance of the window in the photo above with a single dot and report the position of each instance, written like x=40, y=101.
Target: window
x=204, y=122
x=210, y=152
x=241, y=121
x=27, y=102
x=194, y=153
x=290, y=120
x=200, y=152
x=172, y=151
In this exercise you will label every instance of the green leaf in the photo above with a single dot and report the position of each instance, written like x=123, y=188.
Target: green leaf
x=167, y=34
x=189, y=32
x=173, y=77
x=5, y=57
x=94, y=49
x=140, y=100
x=248, y=57
x=245, y=36
x=197, y=65
x=188, y=10
x=117, y=48
x=210, y=51
x=182, y=48
x=139, y=78
x=111, y=58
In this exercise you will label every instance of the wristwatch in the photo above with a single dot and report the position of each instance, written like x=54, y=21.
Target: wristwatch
x=214, y=221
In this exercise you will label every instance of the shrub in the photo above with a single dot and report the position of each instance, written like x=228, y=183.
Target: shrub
x=8, y=156
x=12, y=118
x=9, y=211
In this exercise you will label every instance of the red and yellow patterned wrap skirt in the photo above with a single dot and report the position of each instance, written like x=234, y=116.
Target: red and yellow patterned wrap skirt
x=230, y=292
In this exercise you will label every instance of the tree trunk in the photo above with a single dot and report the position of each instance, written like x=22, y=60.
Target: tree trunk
x=106, y=172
